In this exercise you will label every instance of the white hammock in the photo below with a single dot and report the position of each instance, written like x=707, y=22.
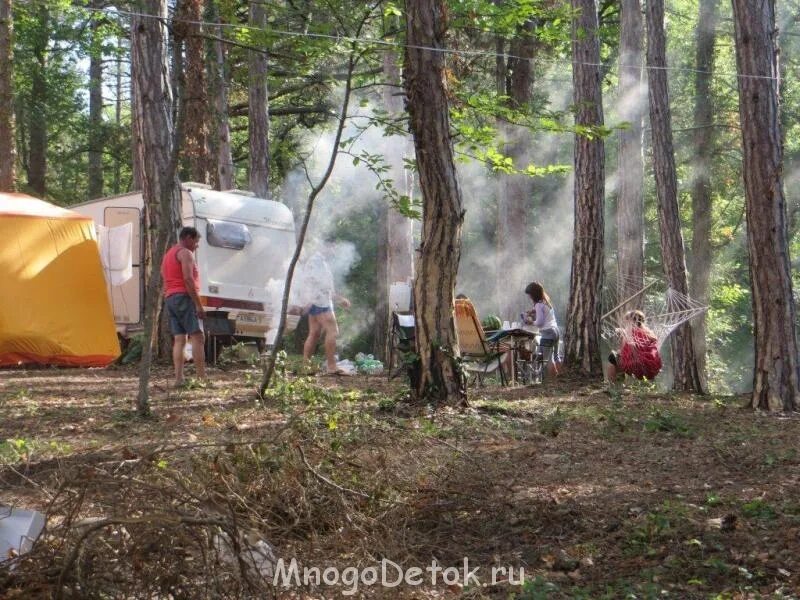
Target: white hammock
x=665, y=309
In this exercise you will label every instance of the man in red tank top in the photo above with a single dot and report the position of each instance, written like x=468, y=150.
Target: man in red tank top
x=182, y=292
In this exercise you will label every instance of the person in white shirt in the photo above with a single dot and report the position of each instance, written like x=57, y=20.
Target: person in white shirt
x=318, y=281
x=543, y=316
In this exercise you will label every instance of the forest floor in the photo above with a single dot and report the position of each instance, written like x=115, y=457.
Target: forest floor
x=629, y=494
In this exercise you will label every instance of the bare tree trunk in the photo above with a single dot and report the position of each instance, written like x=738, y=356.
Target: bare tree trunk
x=37, y=125
x=400, y=245
x=220, y=134
x=500, y=259
x=382, y=339
x=630, y=169
x=701, y=183
x=582, y=339
x=442, y=212
x=395, y=245
x=775, y=380
x=8, y=149
x=118, y=116
x=136, y=151
x=153, y=127
x=95, y=133
x=516, y=190
x=195, y=97
x=686, y=376
x=258, y=129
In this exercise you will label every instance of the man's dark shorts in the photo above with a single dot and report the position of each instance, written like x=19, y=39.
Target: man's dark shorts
x=182, y=315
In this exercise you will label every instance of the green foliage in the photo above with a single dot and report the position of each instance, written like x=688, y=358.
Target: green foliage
x=17, y=450
x=20, y=395
x=666, y=422
x=552, y=424
x=241, y=353
x=759, y=509
x=730, y=337
x=654, y=528
x=53, y=41
x=133, y=350
x=537, y=588
x=614, y=417
x=377, y=165
x=506, y=19
x=332, y=417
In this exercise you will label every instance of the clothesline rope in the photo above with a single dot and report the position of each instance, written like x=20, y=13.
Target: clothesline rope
x=111, y=11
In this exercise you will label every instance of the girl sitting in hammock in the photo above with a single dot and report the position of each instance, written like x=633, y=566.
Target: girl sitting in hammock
x=639, y=356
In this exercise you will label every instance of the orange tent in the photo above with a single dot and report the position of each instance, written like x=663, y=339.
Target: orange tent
x=54, y=308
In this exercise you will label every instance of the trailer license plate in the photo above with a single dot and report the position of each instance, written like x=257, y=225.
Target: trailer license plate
x=246, y=318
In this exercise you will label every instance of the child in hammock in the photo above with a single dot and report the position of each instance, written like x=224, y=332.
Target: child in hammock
x=639, y=356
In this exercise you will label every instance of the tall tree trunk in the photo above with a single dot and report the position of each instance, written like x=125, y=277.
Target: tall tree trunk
x=118, y=116
x=195, y=96
x=8, y=149
x=442, y=210
x=686, y=376
x=630, y=169
x=220, y=134
x=37, y=125
x=381, y=342
x=701, y=181
x=258, y=112
x=516, y=190
x=500, y=72
x=136, y=140
x=395, y=245
x=582, y=339
x=775, y=380
x=153, y=128
x=95, y=134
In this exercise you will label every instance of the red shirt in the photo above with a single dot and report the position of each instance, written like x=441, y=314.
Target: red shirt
x=639, y=355
x=172, y=273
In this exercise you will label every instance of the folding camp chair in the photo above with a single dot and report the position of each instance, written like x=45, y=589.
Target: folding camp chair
x=402, y=342
x=479, y=357
x=533, y=368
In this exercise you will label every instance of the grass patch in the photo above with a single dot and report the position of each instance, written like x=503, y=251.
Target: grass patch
x=759, y=509
x=553, y=422
x=663, y=421
x=23, y=450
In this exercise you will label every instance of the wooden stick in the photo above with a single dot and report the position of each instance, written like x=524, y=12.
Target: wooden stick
x=624, y=302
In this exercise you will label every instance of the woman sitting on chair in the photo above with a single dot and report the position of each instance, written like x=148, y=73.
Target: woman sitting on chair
x=639, y=356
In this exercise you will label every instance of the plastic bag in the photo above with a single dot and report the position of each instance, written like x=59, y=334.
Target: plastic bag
x=368, y=364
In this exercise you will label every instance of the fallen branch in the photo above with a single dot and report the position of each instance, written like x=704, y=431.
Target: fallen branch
x=327, y=481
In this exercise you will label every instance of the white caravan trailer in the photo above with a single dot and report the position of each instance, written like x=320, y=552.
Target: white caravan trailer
x=246, y=242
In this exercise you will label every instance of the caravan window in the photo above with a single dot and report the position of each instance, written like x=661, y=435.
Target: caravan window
x=224, y=234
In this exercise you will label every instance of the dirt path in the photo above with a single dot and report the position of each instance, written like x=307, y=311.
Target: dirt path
x=637, y=494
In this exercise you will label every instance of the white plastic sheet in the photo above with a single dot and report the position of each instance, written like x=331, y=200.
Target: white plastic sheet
x=18, y=530
x=116, y=252
x=400, y=296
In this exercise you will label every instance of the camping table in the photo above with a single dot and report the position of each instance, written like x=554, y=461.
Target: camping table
x=516, y=340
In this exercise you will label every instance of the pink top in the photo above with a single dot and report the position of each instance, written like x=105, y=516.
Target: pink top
x=172, y=273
